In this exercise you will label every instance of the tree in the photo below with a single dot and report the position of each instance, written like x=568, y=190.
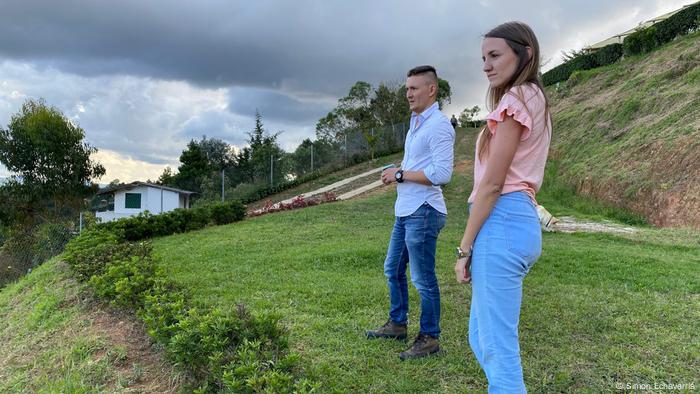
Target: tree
x=193, y=169
x=52, y=162
x=389, y=105
x=444, y=94
x=253, y=163
x=167, y=177
x=467, y=117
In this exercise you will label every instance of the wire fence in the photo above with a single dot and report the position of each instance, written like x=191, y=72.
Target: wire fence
x=315, y=158
x=23, y=249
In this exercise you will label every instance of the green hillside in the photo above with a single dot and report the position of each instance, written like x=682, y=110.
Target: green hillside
x=629, y=133
x=599, y=308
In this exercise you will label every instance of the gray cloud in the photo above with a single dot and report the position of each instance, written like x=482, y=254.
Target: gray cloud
x=150, y=75
x=278, y=106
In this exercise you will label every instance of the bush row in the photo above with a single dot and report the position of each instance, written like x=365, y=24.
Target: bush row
x=646, y=39
x=606, y=55
x=641, y=41
x=146, y=225
x=221, y=350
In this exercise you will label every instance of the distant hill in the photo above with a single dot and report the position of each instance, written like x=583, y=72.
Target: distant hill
x=629, y=133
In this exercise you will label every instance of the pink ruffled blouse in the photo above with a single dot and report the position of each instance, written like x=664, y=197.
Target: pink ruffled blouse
x=526, y=104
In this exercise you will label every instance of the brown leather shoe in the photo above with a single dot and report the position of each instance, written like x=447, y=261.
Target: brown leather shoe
x=389, y=330
x=424, y=345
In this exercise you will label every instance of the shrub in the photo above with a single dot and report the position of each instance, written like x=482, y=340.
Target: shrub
x=641, y=41
x=680, y=23
x=608, y=54
x=89, y=253
x=236, y=352
x=227, y=212
x=127, y=282
x=164, y=307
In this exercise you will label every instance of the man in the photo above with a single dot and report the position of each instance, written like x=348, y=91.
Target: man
x=420, y=215
x=453, y=121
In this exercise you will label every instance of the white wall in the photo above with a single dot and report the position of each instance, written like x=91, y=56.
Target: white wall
x=171, y=200
x=120, y=200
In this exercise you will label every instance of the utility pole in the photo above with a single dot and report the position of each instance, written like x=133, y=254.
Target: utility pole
x=222, y=185
x=272, y=164
x=312, y=157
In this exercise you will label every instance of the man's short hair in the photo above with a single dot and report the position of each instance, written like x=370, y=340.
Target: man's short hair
x=428, y=71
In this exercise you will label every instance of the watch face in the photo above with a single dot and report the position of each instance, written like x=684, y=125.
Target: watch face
x=399, y=175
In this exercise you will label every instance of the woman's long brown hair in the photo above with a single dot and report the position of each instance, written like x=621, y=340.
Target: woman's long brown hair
x=518, y=36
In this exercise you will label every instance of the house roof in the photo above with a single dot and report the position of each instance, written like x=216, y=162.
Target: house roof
x=136, y=184
x=618, y=38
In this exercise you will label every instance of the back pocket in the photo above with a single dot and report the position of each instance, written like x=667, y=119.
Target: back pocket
x=524, y=237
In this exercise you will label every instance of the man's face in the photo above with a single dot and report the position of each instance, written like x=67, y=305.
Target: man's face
x=420, y=92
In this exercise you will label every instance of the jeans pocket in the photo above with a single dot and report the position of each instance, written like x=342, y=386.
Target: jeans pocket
x=420, y=212
x=524, y=238
x=441, y=219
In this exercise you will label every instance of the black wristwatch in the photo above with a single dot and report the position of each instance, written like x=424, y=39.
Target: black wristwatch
x=462, y=254
x=399, y=176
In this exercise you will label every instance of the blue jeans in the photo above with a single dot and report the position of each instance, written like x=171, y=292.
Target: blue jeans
x=508, y=244
x=414, y=240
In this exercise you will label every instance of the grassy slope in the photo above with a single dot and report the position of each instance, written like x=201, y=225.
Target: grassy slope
x=48, y=344
x=56, y=340
x=599, y=309
x=629, y=133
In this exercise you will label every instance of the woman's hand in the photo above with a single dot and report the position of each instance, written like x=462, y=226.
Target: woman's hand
x=462, y=270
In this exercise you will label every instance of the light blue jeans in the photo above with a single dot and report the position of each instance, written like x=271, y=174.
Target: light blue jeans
x=413, y=242
x=508, y=244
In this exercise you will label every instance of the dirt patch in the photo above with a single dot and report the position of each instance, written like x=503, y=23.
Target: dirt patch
x=567, y=224
x=139, y=366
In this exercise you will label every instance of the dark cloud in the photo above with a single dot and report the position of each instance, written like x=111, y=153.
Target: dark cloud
x=312, y=45
x=278, y=106
x=152, y=74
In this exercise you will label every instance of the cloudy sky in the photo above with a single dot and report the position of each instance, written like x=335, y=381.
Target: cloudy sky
x=143, y=77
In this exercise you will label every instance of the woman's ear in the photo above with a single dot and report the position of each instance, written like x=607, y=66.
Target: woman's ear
x=529, y=52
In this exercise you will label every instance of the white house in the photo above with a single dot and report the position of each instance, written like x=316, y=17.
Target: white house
x=136, y=197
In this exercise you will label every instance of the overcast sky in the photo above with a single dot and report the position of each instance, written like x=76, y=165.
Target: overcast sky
x=143, y=77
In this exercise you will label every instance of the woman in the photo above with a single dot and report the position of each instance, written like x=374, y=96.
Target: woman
x=502, y=238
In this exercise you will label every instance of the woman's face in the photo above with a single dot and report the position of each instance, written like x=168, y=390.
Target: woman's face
x=500, y=62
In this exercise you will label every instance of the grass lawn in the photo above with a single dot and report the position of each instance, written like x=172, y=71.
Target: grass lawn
x=598, y=310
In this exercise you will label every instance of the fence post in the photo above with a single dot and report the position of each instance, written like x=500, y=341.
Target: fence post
x=80, y=226
x=312, y=157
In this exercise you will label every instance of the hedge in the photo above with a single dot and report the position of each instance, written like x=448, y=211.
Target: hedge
x=606, y=55
x=146, y=225
x=220, y=349
x=678, y=24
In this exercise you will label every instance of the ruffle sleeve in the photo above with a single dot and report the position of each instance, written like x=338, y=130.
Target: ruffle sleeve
x=510, y=105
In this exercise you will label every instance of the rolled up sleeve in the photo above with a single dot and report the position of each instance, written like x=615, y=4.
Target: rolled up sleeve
x=442, y=139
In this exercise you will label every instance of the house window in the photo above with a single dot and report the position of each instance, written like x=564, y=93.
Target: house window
x=133, y=200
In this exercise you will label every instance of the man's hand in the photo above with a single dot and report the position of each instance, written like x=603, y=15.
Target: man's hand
x=462, y=270
x=389, y=175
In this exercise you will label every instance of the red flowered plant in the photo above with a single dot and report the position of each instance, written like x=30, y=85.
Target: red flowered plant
x=296, y=203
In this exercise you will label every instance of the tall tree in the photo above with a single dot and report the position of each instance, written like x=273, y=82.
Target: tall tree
x=263, y=156
x=52, y=162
